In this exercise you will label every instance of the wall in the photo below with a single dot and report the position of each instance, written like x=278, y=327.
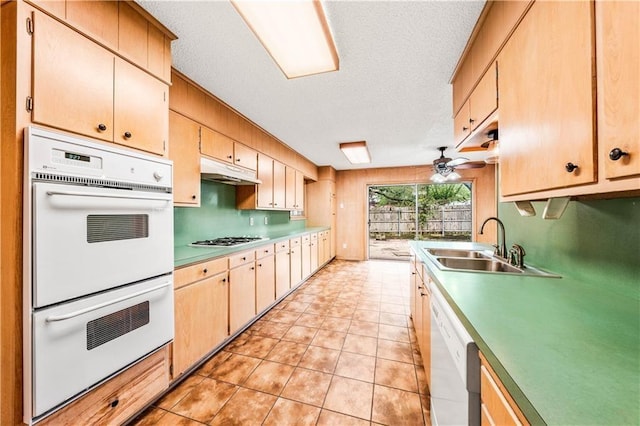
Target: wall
x=351, y=189
x=218, y=217
x=596, y=241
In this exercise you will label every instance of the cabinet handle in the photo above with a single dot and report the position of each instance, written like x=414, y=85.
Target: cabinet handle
x=616, y=154
x=471, y=121
x=464, y=128
x=102, y=127
x=570, y=167
x=114, y=403
x=127, y=135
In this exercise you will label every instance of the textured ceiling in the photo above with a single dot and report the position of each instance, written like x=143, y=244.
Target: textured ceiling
x=392, y=89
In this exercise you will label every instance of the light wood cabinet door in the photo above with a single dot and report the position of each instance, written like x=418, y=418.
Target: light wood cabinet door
x=72, y=80
x=183, y=150
x=547, y=100
x=55, y=7
x=496, y=404
x=265, y=189
x=315, y=254
x=484, y=98
x=140, y=105
x=327, y=253
x=418, y=321
x=618, y=65
x=290, y=188
x=265, y=282
x=216, y=145
x=98, y=19
x=279, y=185
x=283, y=280
x=245, y=156
x=412, y=286
x=201, y=311
x=242, y=296
x=132, y=34
x=461, y=127
x=306, y=258
x=296, y=265
x=299, y=204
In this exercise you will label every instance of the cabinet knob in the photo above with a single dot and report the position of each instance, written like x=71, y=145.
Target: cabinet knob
x=229, y=157
x=224, y=280
x=193, y=197
x=464, y=128
x=114, y=403
x=244, y=258
x=237, y=160
x=260, y=265
x=570, y=167
x=616, y=154
x=471, y=121
x=252, y=268
x=127, y=135
x=102, y=127
x=205, y=270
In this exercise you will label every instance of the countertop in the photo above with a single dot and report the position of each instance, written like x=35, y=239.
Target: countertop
x=567, y=351
x=185, y=255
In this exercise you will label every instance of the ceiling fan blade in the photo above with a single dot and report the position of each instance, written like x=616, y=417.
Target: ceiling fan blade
x=472, y=165
x=457, y=162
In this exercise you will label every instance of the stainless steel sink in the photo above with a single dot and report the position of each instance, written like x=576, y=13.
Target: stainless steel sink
x=487, y=265
x=458, y=253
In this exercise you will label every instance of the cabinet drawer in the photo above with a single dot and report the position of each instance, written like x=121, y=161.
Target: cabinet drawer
x=496, y=410
x=119, y=398
x=295, y=242
x=189, y=274
x=282, y=246
x=241, y=258
x=265, y=251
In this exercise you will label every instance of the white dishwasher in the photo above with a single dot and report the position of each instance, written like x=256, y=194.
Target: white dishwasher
x=455, y=367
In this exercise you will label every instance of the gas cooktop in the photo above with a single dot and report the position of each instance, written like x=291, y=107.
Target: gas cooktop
x=227, y=241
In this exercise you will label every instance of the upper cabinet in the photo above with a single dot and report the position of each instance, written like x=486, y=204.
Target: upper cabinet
x=294, y=194
x=184, y=135
x=547, y=100
x=81, y=87
x=618, y=65
x=270, y=194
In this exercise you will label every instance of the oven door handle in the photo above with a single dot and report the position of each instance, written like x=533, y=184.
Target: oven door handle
x=102, y=305
x=96, y=195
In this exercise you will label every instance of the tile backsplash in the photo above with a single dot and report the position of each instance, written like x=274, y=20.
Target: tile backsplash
x=217, y=216
x=596, y=241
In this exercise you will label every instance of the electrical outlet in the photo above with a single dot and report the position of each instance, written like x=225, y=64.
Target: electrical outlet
x=266, y=220
x=250, y=221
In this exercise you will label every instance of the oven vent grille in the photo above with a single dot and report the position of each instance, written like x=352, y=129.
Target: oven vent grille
x=116, y=227
x=116, y=324
x=102, y=183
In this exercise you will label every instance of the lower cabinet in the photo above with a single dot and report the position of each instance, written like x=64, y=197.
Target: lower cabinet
x=497, y=406
x=296, y=261
x=242, y=293
x=265, y=279
x=420, y=305
x=283, y=266
x=306, y=255
x=315, y=253
x=119, y=398
x=201, y=312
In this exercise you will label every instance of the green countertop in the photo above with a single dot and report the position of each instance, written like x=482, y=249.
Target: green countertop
x=567, y=351
x=185, y=255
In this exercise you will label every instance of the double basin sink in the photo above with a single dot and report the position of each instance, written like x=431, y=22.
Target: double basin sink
x=478, y=261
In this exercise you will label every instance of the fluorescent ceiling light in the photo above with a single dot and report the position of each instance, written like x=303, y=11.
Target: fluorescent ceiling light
x=356, y=152
x=295, y=33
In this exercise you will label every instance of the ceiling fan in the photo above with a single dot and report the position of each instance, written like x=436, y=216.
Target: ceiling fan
x=444, y=167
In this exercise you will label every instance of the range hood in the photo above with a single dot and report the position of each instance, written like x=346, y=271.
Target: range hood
x=217, y=171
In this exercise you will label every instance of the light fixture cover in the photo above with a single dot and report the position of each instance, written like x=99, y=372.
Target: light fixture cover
x=356, y=152
x=295, y=33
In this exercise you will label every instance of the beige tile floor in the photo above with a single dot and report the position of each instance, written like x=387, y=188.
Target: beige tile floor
x=340, y=350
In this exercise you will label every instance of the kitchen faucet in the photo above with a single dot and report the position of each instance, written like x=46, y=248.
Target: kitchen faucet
x=501, y=249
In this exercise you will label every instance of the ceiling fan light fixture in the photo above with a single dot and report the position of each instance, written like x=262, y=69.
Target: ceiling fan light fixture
x=356, y=152
x=295, y=33
x=438, y=178
x=453, y=176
